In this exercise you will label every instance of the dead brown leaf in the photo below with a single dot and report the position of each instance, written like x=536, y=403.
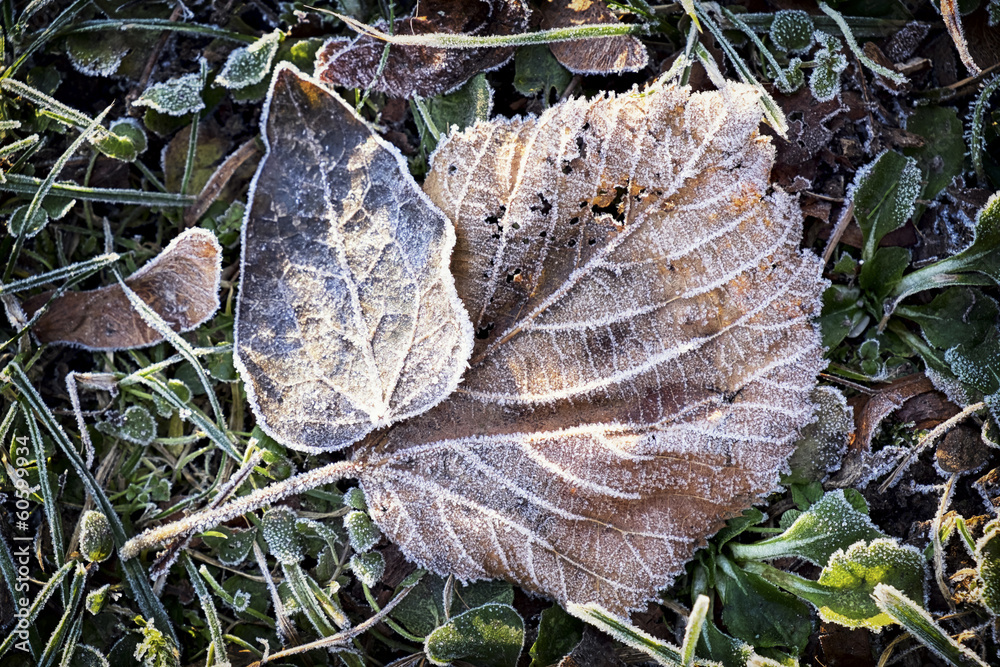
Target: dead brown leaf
x=424, y=71
x=181, y=285
x=624, y=53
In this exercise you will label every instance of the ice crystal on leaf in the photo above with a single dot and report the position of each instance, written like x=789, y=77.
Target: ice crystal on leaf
x=175, y=97
x=250, y=64
x=643, y=352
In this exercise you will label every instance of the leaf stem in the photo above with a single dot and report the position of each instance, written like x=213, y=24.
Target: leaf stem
x=263, y=497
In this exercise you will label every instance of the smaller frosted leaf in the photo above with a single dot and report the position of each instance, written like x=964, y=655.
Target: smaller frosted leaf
x=249, y=65
x=988, y=566
x=424, y=71
x=96, y=540
x=19, y=225
x=282, y=537
x=361, y=531
x=347, y=319
x=355, y=497
x=823, y=443
x=177, y=97
x=135, y=425
x=96, y=598
x=832, y=523
x=368, y=567
x=58, y=207
x=792, y=30
x=97, y=53
x=489, y=636
x=852, y=575
x=181, y=285
x=824, y=82
x=231, y=547
x=134, y=144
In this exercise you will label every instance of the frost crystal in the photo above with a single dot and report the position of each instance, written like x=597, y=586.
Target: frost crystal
x=250, y=64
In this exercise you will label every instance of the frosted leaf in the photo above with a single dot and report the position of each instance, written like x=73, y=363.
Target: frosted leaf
x=347, y=318
x=97, y=54
x=135, y=425
x=250, y=64
x=355, y=497
x=132, y=130
x=821, y=448
x=361, y=532
x=368, y=568
x=176, y=97
x=624, y=53
x=644, y=354
x=424, y=71
x=181, y=284
x=824, y=81
x=283, y=539
x=19, y=225
x=852, y=575
x=792, y=30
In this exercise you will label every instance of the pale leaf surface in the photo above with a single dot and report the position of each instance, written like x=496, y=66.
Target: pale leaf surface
x=424, y=71
x=624, y=53
x=348, y=319
x=181, y=285
x=644, y=355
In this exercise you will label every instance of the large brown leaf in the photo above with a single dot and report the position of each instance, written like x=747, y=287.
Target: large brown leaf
x=644, y=352
x=347, y=318
x=418, y=70
x=181, y=285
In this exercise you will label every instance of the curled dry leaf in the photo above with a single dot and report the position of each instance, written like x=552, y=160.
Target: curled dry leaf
x=348, y=318
x=181, y=285
x=424, y=71
x=644, y=350
x=624, y=53
x=644, y=355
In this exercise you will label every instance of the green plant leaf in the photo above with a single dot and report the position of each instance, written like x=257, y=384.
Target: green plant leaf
x=179, y=96
x=282, y=536
x=759, y=613
x=941, y=157
x=136, y=425
x=982, y=256
x=956, y=316
x=423, y=609
x=536, y=71
x=792, y=30
x=843, y=312
x=368, y=568
x=489, y=636
x=249, y=65
x=831, y=524
x=558, y=633
x=851, y=577
x=361, y=531
x=883, y=272
x=884, y=192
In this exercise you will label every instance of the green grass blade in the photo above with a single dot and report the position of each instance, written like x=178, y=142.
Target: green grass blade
x=52, y=513
x=919, y=623
x=28, y=185
x=135, y=574
x=160, y=25
x=157, y=323
x=664, y=653
x=60, y=634
x=43, y=596
x=77, y=271
x=207, y=606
